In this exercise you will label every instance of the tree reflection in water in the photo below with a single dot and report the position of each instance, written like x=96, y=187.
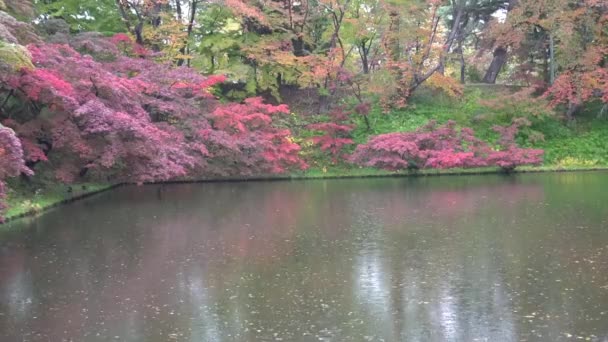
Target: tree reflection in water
x=441, y=259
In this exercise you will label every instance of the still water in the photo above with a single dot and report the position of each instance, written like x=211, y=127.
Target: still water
x=462, y=258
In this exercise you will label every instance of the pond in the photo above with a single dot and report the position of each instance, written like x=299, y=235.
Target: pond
x=455, y=258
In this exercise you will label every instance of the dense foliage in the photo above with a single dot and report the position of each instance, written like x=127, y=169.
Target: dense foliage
x=244, y=141
x=444, y=147
x=11, y=161
x=335, y=133
x=132, y=119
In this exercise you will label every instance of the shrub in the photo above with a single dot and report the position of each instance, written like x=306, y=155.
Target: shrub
x=336, y=133
x=11, y=161
x=243, y=140
x=137, y=120
x=444, y=147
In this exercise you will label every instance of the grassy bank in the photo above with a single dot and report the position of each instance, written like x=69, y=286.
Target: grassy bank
x=32, y=199
x=367, y=172
x=24, y=203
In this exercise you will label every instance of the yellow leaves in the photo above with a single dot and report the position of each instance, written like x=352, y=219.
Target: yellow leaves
x=334, y=4
x=572, y=161
x=170, y=37
x=241, y=8
x=446, y=84
x=266, y=55
x=182, y=56
x=14, y=56
x=232, y=26
x=305, y=70
x=149, y=5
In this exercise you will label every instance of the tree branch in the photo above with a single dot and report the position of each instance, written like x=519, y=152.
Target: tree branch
x=10, y=94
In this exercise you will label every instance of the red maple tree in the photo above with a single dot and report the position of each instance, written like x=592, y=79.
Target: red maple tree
x=443, y=147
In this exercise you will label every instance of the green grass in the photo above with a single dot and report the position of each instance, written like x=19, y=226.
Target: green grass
x=23, y=202
x=354, y=172
x=583, y=144
x=30, y=199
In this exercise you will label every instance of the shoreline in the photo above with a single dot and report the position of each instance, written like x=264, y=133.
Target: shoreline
x=25, y=209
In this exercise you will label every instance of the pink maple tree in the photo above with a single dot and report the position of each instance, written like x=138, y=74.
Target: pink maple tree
x=443, y=147
x=133, y=119
x=509, y=155
x=100, y=122
x=336, y=133
x=11, y=161
x=243, y=139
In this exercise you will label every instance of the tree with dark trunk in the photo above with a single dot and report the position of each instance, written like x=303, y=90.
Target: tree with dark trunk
x=499, y=59
x=191, y=17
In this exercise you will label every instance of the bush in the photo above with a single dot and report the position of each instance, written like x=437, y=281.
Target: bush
x=11, y=161
x=444, y=147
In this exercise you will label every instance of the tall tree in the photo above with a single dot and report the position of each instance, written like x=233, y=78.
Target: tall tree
x=499, y=56
x=83, y=15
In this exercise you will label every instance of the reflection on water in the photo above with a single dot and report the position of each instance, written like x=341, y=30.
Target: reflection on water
x=484, y=258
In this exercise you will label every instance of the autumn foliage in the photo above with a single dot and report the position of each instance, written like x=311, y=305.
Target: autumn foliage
x=336, y=133
x=443, y=147
x=11, y=161
x=243, y=140
x=132, y=119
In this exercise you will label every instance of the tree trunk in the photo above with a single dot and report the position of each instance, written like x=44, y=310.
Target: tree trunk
x=500, y=58
x=363, y=53
x=441, y=68
x=500, y=54
x=191, y=16
x=395, y=49
x=178, y=10
x=138, y=31
x=156, y=19
x=8, y=97
x=572, y=109
x=463, y=66
x=551, y=59
x=299, y=48
x=368, y=125
x=602, y=111
x=365, y=64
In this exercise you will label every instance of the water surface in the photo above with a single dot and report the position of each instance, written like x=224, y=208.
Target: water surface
x=467, y=258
